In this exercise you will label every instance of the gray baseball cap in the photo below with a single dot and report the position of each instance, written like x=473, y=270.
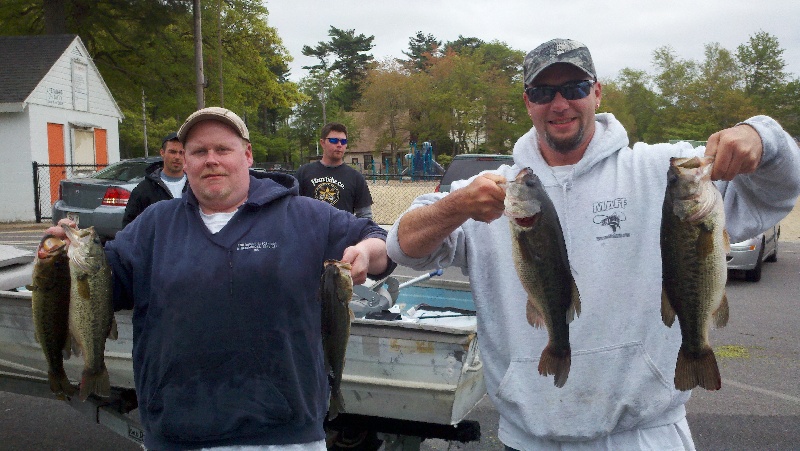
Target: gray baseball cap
x=557, y=51
x=214, y=113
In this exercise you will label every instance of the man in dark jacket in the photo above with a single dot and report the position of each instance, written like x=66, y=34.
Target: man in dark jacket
x=227, y=323
x=163, y=180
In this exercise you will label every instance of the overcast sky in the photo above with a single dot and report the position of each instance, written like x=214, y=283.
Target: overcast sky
x=619, y=33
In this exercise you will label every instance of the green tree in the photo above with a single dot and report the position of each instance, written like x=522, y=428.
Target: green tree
x=506, y=118
x=761, y=60
x=767, y=84
x=463, y=45
x=632, y=100
x=386, y=101
x=422, y=51
x=787, y=111
x=721, y=103
x=351, y=61
x=143, y=48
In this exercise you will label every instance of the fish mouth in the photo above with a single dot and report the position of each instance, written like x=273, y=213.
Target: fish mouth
x=49, y=246
x=526, y=222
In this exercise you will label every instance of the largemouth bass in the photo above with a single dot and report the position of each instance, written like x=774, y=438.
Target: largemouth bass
x=50, y=306
x=693, y=247
x=336, y=289
x=540, y=257
x=91, y=313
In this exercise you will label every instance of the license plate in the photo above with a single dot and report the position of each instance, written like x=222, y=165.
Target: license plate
x=73, y=217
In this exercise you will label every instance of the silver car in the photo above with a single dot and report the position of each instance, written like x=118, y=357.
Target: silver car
x=748, y=256
x=99, y=199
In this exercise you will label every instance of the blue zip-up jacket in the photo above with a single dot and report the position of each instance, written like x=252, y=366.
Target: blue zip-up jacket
x=227, y=345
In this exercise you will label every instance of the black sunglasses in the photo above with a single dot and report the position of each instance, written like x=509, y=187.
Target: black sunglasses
x=342, y=140
x=573, y=90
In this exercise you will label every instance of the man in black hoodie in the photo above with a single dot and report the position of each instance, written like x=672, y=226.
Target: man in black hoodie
x=164, y=180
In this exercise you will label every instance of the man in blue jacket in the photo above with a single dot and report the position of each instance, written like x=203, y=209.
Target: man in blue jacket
x=227, y=345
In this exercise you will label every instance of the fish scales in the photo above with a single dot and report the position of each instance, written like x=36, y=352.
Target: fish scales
x=694, y=245
x=540, y=258
x=336, y=290
x=50, y=308
x=91, y=312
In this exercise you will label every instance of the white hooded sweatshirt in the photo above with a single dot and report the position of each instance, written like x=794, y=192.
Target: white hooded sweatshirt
x=623, y=356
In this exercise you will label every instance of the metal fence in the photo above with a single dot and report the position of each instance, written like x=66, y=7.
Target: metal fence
x=46, y=178
x=391, y=193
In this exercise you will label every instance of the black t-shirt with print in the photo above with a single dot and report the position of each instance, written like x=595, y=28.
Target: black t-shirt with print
x=341, y=186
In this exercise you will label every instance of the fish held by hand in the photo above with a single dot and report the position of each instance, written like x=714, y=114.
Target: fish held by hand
x=694, y=245
x=540, y=257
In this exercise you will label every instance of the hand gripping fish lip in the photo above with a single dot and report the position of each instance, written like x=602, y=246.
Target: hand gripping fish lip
x=78, y=238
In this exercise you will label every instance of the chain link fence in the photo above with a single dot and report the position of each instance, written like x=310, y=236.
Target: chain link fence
x=46, y=178
x=391, y=193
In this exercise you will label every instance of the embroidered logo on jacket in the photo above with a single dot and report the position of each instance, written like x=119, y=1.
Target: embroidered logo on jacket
x=611, y=214
x=255, y=247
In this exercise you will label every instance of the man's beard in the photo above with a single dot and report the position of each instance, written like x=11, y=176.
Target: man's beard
x=567, y=145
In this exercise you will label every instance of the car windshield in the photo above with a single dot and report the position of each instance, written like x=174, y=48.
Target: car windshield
x=126, y=171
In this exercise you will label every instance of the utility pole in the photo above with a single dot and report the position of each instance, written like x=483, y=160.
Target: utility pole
x=219, y=54
x=198, y=56
x=144, y=123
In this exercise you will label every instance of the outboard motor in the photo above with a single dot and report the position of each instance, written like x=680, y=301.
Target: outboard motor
x=375, y=300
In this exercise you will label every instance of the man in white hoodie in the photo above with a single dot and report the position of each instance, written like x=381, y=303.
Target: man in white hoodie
x=620, y=393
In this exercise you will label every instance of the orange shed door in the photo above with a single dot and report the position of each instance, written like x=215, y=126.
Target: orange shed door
x=100, y=146
x=55, y=151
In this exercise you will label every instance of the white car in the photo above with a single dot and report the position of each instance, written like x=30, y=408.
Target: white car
x=749, y=255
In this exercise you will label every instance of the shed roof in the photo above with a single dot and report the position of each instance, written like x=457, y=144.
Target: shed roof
x=25, y=60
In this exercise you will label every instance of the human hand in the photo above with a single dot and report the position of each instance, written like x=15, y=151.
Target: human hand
x=58, y=231
x=359, y=262
x=484, y=197
x=736, y=150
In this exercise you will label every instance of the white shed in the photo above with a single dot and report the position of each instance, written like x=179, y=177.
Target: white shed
x=55, y=109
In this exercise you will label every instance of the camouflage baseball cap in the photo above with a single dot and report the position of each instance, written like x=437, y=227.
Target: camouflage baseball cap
x=557, y=51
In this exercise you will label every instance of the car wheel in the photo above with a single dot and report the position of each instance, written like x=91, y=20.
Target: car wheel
x=773, y=257
x=754, y=275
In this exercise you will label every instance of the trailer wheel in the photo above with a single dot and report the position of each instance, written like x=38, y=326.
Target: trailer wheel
x=350, y=439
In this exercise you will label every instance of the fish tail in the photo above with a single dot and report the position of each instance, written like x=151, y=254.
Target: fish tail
x=697, y=369
x=556, y=362
x=96, y=382
x=59, y=383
